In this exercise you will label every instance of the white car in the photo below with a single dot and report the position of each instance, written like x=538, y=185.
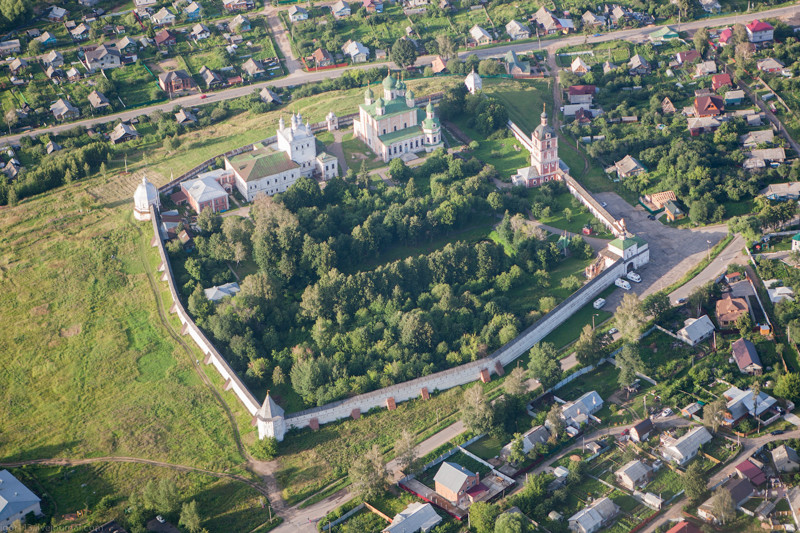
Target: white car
x=600, y=302
x=633, y=276
x=160, y=519
x=619, y=282
x=666, y=412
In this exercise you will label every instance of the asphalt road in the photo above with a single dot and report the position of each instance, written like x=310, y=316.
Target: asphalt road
x=298, y=77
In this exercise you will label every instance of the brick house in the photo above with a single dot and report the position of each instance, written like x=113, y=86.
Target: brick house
x=453, y=481
x=175, y=81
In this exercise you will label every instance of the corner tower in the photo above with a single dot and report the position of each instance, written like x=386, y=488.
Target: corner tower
x=270, y=420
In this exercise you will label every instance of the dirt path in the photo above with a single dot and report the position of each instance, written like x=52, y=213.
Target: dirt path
x=281, y=36
x=336, y=149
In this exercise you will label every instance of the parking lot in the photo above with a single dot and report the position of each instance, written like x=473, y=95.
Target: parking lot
x=673, y=251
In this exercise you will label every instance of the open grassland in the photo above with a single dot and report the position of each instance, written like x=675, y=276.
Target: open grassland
x=85, y=354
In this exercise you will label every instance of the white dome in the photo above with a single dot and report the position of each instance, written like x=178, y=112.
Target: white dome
x=146, y=195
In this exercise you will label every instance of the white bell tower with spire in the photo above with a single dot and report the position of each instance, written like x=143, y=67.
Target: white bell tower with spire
x=270, y=420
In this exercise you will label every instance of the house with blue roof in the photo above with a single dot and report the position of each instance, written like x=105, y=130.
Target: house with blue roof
x=16, y=500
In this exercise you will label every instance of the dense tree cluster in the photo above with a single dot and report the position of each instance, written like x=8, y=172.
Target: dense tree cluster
x=486, y=114
x=310, y=314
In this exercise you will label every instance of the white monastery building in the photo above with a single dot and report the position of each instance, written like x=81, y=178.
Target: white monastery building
x=392, y=126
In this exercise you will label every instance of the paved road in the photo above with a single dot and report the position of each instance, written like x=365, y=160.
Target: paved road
x=299, y=77
x=731, y=254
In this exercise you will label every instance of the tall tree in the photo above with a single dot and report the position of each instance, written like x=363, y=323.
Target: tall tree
x=190, y=517
x=514, y=385
x=446, y=48
x=556, y=425
x=629, y=363
x=629, y=318
x=694, y=482
x=587, y=347
x=482, y=516
x=788, y=386
x=403, y=53
x=545, y=365
x=700, y=40
x=714, y=413
x=406, y=451
x=656, y=304
x=517, y=449
x=368, y=473
x=476, y=411
x=756, y=390
x=722, y=505
x=511, y=523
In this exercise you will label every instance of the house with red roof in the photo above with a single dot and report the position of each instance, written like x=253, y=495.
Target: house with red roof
x=759, y=32
x=684, y=527
x=718, y=81
x=708, y=106
x=581, y=94
x=688, y=56
x=725, y=36
x=747, y=470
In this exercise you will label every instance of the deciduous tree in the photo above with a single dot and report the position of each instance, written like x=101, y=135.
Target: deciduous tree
x=511, y=523
x=587, y=347
x=629, y=318
x=476, y=411
x=406, y=451
x=722, y=505
x=368, y=473
x=788, y=386
x=482, y=516
x=403, y=53
x=628, y=363
x=545, y=365
x=514, y=384
x=190, y=517
x=694, y=482
x=713, y=413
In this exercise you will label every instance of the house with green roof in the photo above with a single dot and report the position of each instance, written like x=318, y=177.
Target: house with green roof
x=633, y=250
x=393, y=125
x=796, y=242
x=663, y=34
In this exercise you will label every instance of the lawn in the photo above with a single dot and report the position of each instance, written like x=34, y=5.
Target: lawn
x=356, y=153
x=486, y=448
x=570, y=330
x=603, y=380
x=529, y=292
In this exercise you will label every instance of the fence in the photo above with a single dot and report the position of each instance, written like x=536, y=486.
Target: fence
x=344, y=517
x=449, y=453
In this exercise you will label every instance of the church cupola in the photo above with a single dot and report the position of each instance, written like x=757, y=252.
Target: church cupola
x=369, y=96
x=389, y=86
x=380, y=107
x=429, y=110
x=410, y=98
x=281, y=124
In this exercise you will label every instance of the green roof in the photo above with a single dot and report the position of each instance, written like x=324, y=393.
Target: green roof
x=325, y=156
x=796, y=237
x=664, y=33
x=392, y=107
x=261, y=163
x=672, y=207
x=400, y=135
x=627, y=242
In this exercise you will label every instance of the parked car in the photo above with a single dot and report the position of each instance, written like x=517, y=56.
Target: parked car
x=160, y=519
x=600, y=302
x=633, y=276
x=651, y=217
x=778, y=432
x=681, y=301
x=612, y=331
x=623, y=284
x=666, y=412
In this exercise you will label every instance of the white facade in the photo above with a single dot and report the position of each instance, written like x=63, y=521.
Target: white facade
x=473, y=82
x=146, y=195
x=269, y=185
x=299, y=142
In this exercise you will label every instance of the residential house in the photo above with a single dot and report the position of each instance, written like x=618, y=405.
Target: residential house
x=57, y=14
x=175, y=81
x=17, y=65
x=193, y=11
x=54, y=74
x=696, y=126
x=733, y=277
x=322, y=58
x=11, y=46
x=638, y=66
x=165, y=38
x=102, y=57
x=576, y=413
x=373, y=6
x=479, y=35
x=729, y=310
x=692, y=409
x=438, y=65
x=682, y=450
x=253, y=68
x=779, y=294
x=164, y=17
x=240, y=23
x=734, y=97
x=358, y=52
x=740, y=403
x=759, y=32
x=517, y=30
x=454, y=482
x=514, y=66
x=16, y=501
x=530, y=439
x=220, y=292
x=418, y=516
x=641, y=431
x=185, y=117
x=47, y=39
x=53, y=59
x=98, y=100
x=238, y=5
x=673, y=211
x=785, y=459
x=782, y=191
x=200, y=31
x=662, y=34
x=769, y=65
x=340, y=9
x=746, y=357
x=657, y=200
x=749, y=471
x=725, y=36
x=142, y=5
x=608, y=66
x=210, y=78
x=297, y=13
x=123, y=132
x=581, y=94
x=63, y=110
x=551, y=23
x=667, y=107
x=684, y=526
x=590, y=19
x=708, y=106
x=80, y=32
x=127, y=46
x=205, y=192
x=740, y=489
x=633, y=475
x=711, y=6
x=688, y=57
x=269, y=96
x=579, y=66
x=595, y=517
x=629, y=166
x=473, y=82
x=718, y=81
